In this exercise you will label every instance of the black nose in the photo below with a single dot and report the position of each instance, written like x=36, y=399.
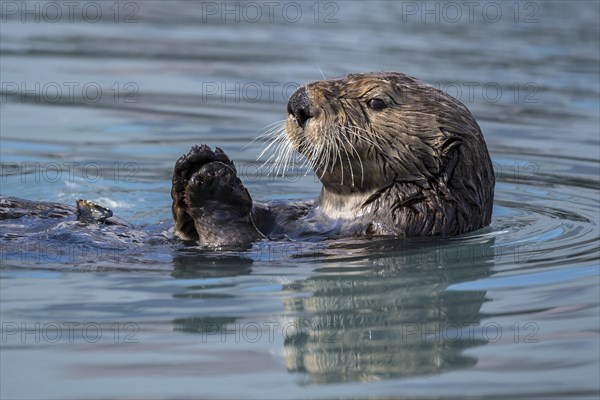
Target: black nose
x=299, y=106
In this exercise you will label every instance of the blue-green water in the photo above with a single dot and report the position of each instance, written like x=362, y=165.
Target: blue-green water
x=98, y=101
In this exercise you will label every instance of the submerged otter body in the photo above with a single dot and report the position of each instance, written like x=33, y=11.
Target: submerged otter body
x=396, y=157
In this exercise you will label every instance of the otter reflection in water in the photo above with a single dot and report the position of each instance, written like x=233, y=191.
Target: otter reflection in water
x=385, y=317
x=396, y=157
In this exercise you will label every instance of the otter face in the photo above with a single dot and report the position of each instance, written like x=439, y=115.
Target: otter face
x=363, y=132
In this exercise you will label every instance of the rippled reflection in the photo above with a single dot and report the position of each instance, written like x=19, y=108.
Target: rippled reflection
x=392, y=319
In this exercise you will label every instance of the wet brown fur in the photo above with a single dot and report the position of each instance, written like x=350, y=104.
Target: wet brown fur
x=424, y=165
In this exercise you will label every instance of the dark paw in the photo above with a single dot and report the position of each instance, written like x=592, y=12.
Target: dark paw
x=220, y=206
x=210, y=203
x=185, y=167
x=217, y=182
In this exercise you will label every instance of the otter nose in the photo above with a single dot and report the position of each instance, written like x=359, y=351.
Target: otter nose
x=299, y=106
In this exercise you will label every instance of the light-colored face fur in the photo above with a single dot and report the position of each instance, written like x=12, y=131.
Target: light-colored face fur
x=369, y=130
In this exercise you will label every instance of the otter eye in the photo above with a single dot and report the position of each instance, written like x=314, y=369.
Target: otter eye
x=376, y=104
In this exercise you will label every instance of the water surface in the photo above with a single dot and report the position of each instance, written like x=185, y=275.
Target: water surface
x=102, y=109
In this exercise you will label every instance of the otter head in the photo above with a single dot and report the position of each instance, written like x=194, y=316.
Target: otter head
x=367, y=132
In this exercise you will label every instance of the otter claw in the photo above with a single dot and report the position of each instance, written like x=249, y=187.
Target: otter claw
x=198, y=156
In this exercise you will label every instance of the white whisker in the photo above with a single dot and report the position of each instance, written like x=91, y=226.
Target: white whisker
x=267, y=132
x=322, y=74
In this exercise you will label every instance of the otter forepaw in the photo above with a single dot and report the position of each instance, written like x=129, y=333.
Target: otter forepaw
x=210, y=203
x=220, y=206
x=185, y=167
x=218, y=182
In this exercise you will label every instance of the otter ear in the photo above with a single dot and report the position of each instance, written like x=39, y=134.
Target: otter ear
x=448, y=152
x=449, y=143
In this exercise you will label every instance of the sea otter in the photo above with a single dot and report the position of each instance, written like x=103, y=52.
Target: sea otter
x=396, y=157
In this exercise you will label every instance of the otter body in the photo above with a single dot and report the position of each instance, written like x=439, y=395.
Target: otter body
x=396, y=157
